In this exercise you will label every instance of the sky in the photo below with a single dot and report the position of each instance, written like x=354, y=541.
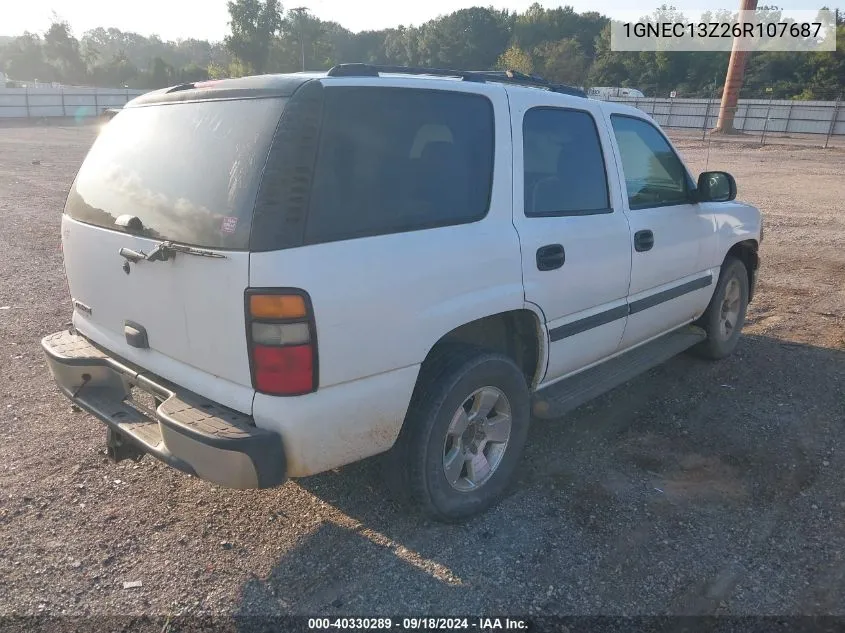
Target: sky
x=207, y=19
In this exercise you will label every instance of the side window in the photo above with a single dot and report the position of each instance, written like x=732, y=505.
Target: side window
x=564, y=172
x=393, y=160
x=654, y=175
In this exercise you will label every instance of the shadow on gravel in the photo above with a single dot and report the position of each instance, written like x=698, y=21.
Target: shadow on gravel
x=693, y=489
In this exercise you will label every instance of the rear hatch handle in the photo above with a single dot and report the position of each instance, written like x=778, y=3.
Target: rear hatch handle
x=166, y=250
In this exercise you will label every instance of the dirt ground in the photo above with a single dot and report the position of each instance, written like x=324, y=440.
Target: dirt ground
x=698, y=488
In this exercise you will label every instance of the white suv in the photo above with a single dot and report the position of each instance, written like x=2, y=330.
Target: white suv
x=275, y=276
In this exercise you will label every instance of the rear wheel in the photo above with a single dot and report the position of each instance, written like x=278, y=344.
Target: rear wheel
x=725, y=315
x=464, y=433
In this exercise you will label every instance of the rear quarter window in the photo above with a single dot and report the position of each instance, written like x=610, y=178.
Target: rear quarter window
x=393, y=160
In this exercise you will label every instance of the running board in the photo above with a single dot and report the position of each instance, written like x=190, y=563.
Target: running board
x=570, y=393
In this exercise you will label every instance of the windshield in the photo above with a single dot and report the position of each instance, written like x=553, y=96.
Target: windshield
x=188, y=171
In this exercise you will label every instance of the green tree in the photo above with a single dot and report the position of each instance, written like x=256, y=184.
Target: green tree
x=253, y=24
x=161, y=74
x=562, y=61
x=119, y=71
x=402, y=46
x=826, y=71
x=62, y=51
x=558, y=43
x=217, y=71
x=23, y=59
x=516, y=59
x=608, y=68
x=470, y=39
x=191, y=73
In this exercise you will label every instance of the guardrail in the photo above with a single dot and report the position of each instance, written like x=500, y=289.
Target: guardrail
x=753, y=116
x=74, y=102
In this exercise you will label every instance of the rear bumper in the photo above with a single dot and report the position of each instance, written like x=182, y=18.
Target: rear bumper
x=184, y=430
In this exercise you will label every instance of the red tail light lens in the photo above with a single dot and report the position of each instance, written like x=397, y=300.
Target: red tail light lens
x=284, y=371
x=282, y=342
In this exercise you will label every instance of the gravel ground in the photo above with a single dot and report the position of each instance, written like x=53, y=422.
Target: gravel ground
x=698, y=488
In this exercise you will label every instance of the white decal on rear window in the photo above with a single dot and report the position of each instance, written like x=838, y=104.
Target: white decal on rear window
x=229, y=224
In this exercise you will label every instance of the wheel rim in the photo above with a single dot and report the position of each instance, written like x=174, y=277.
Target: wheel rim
x=731, y=307
x=477, y=439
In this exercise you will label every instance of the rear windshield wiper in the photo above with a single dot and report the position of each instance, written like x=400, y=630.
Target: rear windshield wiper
x=164, y=251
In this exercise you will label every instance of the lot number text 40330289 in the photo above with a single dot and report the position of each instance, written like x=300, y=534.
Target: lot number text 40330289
x=420, y=623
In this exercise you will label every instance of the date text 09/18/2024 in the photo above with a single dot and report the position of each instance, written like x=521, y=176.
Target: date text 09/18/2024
x=420, y=624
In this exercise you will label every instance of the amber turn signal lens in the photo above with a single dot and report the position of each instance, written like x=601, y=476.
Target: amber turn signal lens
x=277, y=307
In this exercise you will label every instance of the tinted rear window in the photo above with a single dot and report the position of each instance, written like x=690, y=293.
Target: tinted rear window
x=188, y=171
x=394, y=160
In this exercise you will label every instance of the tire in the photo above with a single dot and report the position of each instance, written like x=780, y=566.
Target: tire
x=475, y=380
x=725, y=315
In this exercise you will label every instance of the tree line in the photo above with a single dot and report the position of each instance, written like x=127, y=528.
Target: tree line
x=559, y=44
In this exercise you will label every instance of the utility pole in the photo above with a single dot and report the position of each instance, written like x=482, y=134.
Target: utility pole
x=733, y=79
x=301, y=13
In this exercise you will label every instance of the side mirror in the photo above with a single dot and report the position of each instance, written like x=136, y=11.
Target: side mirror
x=715, y=186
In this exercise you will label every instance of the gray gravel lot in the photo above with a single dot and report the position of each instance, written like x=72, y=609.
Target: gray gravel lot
x=699, y=488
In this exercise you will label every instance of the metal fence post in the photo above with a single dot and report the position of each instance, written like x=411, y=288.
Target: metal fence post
x=64, y=112
x=96, y=105
x=669, y=116
x=704, y=123
x=766, y=120
x=788, y=118
x=26, y=100
x=833, y=119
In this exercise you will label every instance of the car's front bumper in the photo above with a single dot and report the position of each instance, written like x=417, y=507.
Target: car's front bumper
x=181, y=429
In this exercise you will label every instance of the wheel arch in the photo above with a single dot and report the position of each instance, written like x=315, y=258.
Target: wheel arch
x=747, y=252
x=519, y=334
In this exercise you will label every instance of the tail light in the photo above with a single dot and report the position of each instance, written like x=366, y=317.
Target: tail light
x=282, y=341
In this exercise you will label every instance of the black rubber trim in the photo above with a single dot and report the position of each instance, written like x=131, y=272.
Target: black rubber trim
x=608, y=316
x=668, y=295
x=568, y=214
x=588, y=323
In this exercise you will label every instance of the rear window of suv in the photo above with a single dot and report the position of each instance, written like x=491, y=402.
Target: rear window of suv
x=396, y=159
x=189, y=171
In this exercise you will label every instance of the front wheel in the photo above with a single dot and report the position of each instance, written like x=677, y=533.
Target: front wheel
x=725, y=315
x=464, y=433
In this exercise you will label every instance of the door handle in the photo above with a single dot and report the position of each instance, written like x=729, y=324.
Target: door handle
x=550, y=257
x=643, y=241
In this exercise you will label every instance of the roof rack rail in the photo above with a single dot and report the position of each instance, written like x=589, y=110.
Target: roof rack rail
x=481, y=76
x=518, y=78
x=178, y=87
x=372, y=70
